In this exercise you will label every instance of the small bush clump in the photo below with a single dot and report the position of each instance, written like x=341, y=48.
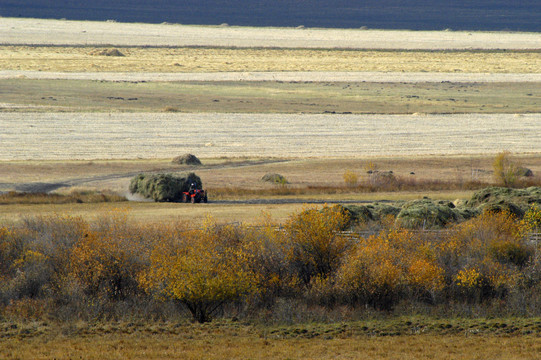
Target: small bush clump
x=275, y=179
x=186, y=159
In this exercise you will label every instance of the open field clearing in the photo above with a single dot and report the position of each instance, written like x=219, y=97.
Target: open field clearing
x=58, y=32
x=117, y=341
x=201, y=60
x=42, y=136
x=269, y=97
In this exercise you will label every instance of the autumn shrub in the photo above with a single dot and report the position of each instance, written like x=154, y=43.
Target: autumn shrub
x=506, y=171
x=105, y=260
x=385, y=268
x=269, y=247
x=483, y=257
x=42, y=263
x=350, y=178
x=203, y=270
x=315, y=244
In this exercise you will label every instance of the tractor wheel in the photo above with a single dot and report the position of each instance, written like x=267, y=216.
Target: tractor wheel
x=184, y=198
x=193, y=199
x=205, y=199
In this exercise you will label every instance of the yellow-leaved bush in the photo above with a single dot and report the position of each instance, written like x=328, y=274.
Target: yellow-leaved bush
x=315, y=243
x=484, y=256
x=104, y=260
x=202, y=270
x=382, y=268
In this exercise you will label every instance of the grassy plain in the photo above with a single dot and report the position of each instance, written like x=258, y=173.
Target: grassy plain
x=443, y=339
x=268, y=97
x=197, y=59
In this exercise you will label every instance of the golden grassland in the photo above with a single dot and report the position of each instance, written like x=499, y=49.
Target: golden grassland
x=195, y=59
x=485, y=339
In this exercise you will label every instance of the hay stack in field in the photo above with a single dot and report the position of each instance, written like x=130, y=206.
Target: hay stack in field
x=106, y=52
x=274, y=178
x=428, y=214
x=525, y=172
x=187, y=159
x=515, y=201
x=372, y=212
x=163, y=187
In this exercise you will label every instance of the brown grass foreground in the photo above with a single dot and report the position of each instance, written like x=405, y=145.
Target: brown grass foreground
x=242, y=342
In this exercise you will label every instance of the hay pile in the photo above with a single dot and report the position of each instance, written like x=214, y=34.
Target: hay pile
x=106, y=52
x=372, y=212
x=187, y=159
x=515, y=201
x=428, y=214
x=275, y=179
x=163, y=187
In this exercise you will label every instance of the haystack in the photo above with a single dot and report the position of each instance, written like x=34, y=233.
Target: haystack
x=372, y=212
x=187, y=159
x=515, y=201
x=428, y=214
x=163, y=187
x=274, y=178
x=107, y=52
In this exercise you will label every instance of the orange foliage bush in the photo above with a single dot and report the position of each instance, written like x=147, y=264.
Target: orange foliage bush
x=383, y=267
x=203, y=270
x=315, y=244
x=104, y=260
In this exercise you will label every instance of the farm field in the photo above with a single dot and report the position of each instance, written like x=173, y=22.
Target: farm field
x=219, y=59
x=87, y=136
x=42, y=95
x=431, y=108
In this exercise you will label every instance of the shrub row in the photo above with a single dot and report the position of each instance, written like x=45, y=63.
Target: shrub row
x=65, y=267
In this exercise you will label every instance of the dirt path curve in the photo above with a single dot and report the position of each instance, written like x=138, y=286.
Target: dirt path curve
x=312, y=76
x=47, y=187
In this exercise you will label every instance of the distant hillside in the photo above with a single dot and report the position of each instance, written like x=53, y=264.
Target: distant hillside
x=521, y=15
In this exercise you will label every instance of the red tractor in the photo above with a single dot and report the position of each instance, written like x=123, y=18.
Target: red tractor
x=194, y=195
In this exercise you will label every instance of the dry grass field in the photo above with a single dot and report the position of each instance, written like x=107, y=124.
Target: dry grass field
x=174, y=60
x=59, y=32
x=68, y=136
x=357, y=97
x=482, y=339
x=238, y=346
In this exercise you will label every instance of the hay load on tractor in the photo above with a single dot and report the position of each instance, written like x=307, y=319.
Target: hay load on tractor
x=169, y=188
